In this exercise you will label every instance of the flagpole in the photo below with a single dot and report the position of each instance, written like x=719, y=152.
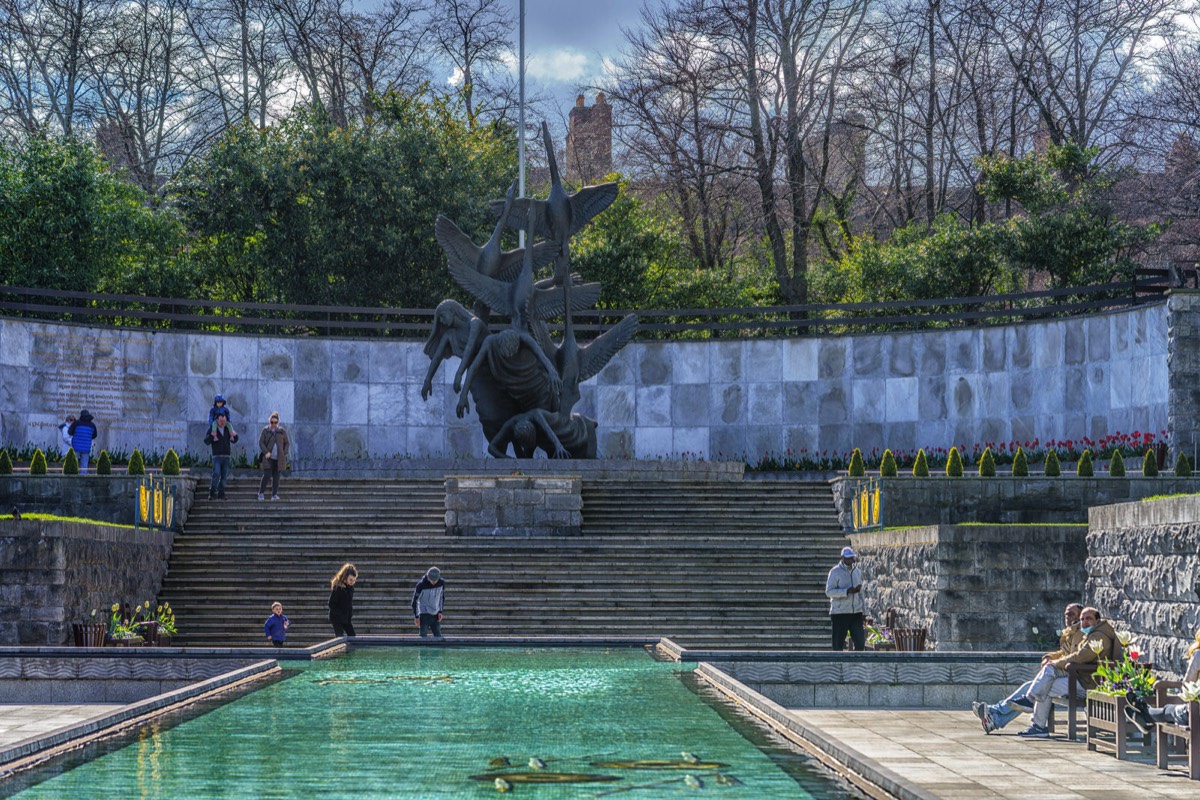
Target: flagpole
x=521, y=115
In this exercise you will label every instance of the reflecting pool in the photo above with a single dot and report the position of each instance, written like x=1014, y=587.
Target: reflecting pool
x=448, y=723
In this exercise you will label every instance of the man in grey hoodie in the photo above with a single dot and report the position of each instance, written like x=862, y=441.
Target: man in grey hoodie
x=846, y=606
x=427, y=603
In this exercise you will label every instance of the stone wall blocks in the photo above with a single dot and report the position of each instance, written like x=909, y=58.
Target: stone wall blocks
x=880, y=695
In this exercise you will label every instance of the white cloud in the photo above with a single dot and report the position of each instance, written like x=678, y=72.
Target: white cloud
x=564, y=65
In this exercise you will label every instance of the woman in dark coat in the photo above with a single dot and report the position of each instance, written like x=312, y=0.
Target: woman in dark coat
x=341, y=600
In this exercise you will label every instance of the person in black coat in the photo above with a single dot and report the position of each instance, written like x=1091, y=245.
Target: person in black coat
x=220, y=438
x=341, y=600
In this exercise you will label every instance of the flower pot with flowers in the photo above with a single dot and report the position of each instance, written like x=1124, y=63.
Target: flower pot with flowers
x=1108, y=730
x=880, y=638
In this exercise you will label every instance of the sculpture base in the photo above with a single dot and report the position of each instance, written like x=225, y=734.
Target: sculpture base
x=514, y=505
x=588, y=469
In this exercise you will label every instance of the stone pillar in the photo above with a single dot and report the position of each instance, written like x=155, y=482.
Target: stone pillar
x=1183, y=372
x=516, y=505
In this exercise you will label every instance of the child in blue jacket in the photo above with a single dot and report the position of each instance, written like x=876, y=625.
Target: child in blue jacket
x=219, y=406
x=275, y=628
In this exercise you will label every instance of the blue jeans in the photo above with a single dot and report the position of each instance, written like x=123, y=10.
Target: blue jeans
x=430, y=624
x=220, y=474
x=1005, y=712
x=83, y=462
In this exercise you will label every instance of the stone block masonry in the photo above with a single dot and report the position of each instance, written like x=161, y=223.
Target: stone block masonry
x=54, y=573
x=976, y=587
x=718, y=398
x=1144, y=572
x=514, y=505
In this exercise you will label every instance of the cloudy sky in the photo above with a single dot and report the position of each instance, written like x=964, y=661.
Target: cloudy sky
x=567, y=41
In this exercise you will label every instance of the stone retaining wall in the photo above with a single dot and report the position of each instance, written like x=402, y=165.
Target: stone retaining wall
x=516, y=505
x=881, y=681
x=976, y=587
x=719, y=398
x=1144, y=572
x=106, y=498
x=97, y=679
x=938, y=500
x=54, y=573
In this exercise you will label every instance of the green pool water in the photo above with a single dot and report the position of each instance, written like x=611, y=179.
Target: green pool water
x=445, y=723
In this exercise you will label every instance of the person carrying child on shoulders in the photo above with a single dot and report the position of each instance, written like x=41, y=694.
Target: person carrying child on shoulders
x=219, y=407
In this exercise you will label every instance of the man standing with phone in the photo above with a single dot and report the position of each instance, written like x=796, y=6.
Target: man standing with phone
x=846, y=606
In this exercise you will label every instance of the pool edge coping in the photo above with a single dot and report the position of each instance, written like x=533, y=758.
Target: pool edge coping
x=860, y=770
x=30, y=752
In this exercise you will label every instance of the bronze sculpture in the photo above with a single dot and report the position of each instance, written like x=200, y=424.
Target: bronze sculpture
x=524, y=386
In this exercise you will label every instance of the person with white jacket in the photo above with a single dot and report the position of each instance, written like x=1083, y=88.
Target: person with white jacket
x=846, y=605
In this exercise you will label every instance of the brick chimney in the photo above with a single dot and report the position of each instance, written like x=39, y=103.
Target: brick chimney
x=589, y=141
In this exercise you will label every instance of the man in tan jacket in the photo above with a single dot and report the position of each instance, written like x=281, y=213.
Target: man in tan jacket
x=996, y=716
x=1098, y=642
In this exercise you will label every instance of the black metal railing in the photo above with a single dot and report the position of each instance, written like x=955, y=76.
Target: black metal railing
x=764, y=321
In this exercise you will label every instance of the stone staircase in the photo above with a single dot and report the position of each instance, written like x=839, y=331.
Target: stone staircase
x=709, y=564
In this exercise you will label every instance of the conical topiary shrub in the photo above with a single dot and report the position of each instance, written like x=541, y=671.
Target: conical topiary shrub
x=954, y=467
x=987, y=464
x=1150, y=464
x=5, y=462
x=857, y=468
x=137, y=464
x=1116, y=467
x=921, y=465
x=1020, y=467
x=887, y=465
x=170, y=463
x=38, y=465
x=1084, y=468
x=1183, y=466
x=104, y=464
x=71, y=462
x=1053, y=468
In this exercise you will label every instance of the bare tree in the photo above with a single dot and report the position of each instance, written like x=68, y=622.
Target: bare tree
x=1081, y=62
x=474, y=35
x=677, y=138
x=43, y=62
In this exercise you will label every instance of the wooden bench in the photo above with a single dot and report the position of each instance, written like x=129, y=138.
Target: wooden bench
x=1076, y=698
x=1176, y=743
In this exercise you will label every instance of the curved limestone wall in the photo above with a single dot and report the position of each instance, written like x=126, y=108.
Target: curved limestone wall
x=733, y=398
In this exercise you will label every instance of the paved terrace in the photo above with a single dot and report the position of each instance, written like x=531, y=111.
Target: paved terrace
x=928, y=754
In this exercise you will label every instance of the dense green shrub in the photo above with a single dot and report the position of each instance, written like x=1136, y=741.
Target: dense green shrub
x=71, y=463
x=104, y=464
x=137, y=464
x=5, y=462
x=1084, y=468
x=170, y=465
x=954, y=465
x=1116, y=467
x=987, y=464
x=857, y=468
x=921, y=465
x=1150, y=464
x=887, y=466
x=1183, y=466
x=1020, y=465
x=1053, y=468
x=38, y=465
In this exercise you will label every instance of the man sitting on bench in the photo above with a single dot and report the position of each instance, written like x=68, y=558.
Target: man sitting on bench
x=1146, y=717
x=996, y=716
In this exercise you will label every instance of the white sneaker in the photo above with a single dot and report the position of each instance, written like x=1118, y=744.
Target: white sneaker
x=262, y=497
x=274, y=497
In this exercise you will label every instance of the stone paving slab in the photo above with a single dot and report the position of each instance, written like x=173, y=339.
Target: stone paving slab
x=946, y=754
x=20, y=722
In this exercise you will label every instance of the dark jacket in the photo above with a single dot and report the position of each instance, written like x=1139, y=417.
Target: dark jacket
x=278, y=439
x=82, y=432
x=341, y=603
x=273, y=628
x=220, y=439
x=428, y=597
